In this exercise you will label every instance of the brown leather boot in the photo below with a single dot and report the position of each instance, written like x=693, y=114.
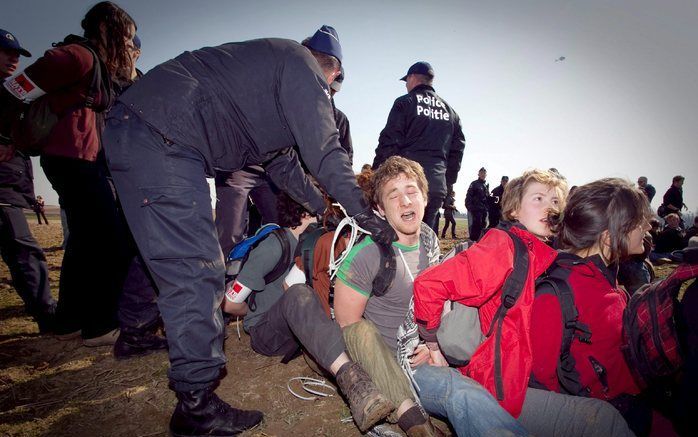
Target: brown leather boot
x=367, y=404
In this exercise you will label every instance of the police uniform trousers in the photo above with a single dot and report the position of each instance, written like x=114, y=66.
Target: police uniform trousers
x=232, y=192
x=165, y=197
x=26, y=262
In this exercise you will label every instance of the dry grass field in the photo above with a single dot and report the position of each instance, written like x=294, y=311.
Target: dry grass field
x=61, y=388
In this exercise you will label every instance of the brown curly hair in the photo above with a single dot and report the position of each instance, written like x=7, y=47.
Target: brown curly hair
x=392, y=168
x=109, y=27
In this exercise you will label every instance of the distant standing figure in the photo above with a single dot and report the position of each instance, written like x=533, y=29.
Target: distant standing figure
x=476, y=203
x=39, y=209
x=494, y=202
x=449, y=209
x=646, y=188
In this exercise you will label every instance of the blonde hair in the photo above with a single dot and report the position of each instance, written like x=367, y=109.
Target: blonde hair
x=515, y=189
x=392, y=168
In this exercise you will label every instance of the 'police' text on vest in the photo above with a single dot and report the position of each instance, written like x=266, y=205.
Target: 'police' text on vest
x=427, y=106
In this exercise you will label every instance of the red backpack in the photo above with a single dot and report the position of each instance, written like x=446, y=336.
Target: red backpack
x=650, y=339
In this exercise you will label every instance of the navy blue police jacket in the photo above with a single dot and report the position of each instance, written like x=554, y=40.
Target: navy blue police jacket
x=247, y=103
x=424, y=128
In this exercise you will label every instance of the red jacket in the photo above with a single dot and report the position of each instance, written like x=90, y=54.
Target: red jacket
x=600, y=304
x=475, y=278
x=65, y=73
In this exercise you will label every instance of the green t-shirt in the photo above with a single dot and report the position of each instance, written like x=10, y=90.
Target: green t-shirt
x=361, y=266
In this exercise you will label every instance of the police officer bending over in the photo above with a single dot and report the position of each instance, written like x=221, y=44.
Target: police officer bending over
x=220, y=108
x=424, y=128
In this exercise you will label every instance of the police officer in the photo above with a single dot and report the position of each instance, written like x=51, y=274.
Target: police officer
x=221, y=108
x=422, y=127
x=234, y=188
x=20, y=251
x=476, y=204
x=341, y=119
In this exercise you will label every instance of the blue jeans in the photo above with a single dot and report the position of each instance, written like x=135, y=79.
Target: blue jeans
x=471, y=410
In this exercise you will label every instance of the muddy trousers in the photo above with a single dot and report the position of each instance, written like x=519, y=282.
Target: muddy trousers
x=367, y=347
x=298, y=319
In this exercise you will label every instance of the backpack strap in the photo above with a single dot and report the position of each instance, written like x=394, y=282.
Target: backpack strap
x=101, y=84
x=280, y=267
x=307, y=253
x=556, y=282
x=284, y=260
x=513, y=286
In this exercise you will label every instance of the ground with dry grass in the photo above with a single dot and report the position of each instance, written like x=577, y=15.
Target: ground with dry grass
x=60, y=388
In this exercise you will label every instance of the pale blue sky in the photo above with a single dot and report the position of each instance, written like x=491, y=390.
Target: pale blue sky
x=623, y=102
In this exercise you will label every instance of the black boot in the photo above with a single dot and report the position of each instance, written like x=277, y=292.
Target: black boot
x=137, y=343
x=202, y=413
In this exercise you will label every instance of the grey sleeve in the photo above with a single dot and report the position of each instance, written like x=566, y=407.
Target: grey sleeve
x=262, y=260
x=305, y=103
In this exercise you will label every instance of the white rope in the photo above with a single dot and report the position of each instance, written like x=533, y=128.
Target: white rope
x=355, y=229
x=237, y=326
x=306, y=384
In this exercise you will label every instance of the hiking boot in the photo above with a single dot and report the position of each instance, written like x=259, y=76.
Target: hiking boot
x=367, y=404
x=426, y=429
x=107, y=339
x=131, y=344
x=202, y=413
x=416, y=423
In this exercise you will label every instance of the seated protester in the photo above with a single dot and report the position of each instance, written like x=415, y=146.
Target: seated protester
x=671, y=238
x=319, y=266
x=502, y=363
x=281, y=321
x=370, y=321
x=603, y=224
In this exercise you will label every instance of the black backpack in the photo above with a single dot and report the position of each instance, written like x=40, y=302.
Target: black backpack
x=556, y=280
x=36, y=119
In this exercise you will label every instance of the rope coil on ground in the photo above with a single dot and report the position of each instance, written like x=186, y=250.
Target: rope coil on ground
x=307, y=383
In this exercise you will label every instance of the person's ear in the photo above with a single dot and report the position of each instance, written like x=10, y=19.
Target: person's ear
x=381, y=211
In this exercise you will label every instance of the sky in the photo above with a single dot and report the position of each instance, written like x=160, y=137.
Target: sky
x=623, y=102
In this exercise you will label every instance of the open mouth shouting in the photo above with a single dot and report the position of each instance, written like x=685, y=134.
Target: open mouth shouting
x=409, y=216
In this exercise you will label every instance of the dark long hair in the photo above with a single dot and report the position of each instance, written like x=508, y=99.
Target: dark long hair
x=111, y=43
x=612, y=205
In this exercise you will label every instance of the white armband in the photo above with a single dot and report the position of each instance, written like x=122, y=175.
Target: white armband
x=295, y=276
x=23, y=88
x=236, y=292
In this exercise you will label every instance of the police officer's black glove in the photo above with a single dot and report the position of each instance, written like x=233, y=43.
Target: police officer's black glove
x=381, y=231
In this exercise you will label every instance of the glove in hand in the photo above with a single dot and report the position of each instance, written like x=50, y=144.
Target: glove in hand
x=381, y=231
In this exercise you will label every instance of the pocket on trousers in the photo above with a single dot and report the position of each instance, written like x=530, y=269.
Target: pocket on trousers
x=176, y=223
